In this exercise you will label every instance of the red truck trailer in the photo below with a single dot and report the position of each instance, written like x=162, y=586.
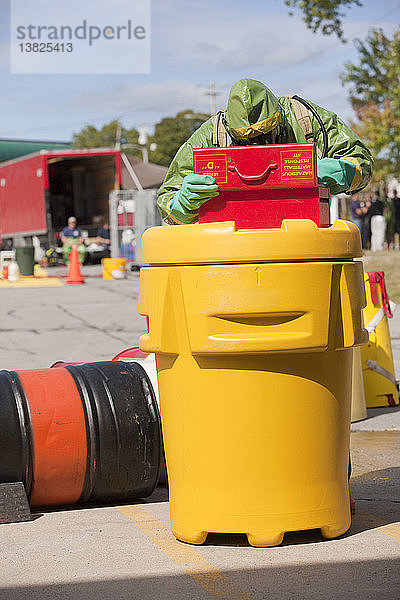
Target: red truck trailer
x=39, y=191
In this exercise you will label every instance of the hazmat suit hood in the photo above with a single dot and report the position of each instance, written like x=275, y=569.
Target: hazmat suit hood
x=253, y=110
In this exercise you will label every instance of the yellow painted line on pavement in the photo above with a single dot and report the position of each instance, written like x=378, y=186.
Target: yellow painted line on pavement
x=31, y=282
x=211, y=579
x=392, y=530
x=379, y=524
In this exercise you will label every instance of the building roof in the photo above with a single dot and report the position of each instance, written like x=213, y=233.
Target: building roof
x=149, y=174
x=10, y=149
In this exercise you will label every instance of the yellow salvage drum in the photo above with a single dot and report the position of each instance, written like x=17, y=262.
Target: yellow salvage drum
x=377, y=358
x=253, y=332
x=358, y=405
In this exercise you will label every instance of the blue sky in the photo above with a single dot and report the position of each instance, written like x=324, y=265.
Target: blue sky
x=193, y=42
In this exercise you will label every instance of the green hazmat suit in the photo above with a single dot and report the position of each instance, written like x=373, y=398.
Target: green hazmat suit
x=255, y=114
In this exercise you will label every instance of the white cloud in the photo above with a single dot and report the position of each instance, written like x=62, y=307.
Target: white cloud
x=150, y=102
x=194, y=42
x=167, y=98
x=226, y=43
x=240, y=39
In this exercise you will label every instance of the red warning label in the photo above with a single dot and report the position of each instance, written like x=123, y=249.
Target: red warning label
x=297, y=164
x=213, y=164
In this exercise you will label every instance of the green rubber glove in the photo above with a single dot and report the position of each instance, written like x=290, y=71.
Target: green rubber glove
x=338, y=174
x=195, y=190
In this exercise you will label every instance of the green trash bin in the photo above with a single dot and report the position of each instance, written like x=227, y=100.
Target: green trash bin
x=25, y=258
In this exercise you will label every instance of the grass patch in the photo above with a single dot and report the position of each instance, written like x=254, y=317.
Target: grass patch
x=387, y=261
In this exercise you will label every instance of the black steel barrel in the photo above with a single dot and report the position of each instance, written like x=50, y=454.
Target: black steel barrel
x=85, y=433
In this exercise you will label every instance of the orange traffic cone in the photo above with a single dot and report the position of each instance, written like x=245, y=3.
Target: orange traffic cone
x=74, y=276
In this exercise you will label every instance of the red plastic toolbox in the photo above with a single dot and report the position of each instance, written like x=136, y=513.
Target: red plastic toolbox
x=262, y=185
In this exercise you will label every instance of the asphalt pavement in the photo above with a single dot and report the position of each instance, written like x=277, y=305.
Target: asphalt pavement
x=72, y=323
x=127, y=552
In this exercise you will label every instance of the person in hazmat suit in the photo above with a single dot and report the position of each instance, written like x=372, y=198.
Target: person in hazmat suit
x=254, y=115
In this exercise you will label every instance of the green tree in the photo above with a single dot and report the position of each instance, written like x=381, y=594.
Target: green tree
x=324, y=16
x=375, y=97
x=170, y=133
x=90, y=137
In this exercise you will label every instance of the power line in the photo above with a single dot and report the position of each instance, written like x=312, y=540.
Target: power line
x=86, y=120
x=212, y=92
x=334, y=45
x=70, y=123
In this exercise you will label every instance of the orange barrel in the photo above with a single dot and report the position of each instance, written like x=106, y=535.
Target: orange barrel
x=84, y=433
x=58, y=436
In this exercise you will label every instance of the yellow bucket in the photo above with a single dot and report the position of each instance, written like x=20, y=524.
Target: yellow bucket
x=114, y=268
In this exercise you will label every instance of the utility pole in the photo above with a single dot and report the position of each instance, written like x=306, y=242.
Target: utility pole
x=213, y=97
x=118, y=135
x=142, y=140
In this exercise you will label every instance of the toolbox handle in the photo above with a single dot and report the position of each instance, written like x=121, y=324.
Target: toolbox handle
x=254, y=178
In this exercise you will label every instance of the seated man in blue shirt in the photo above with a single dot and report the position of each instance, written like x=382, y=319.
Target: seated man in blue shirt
x=103, y=236
x=72, y=236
